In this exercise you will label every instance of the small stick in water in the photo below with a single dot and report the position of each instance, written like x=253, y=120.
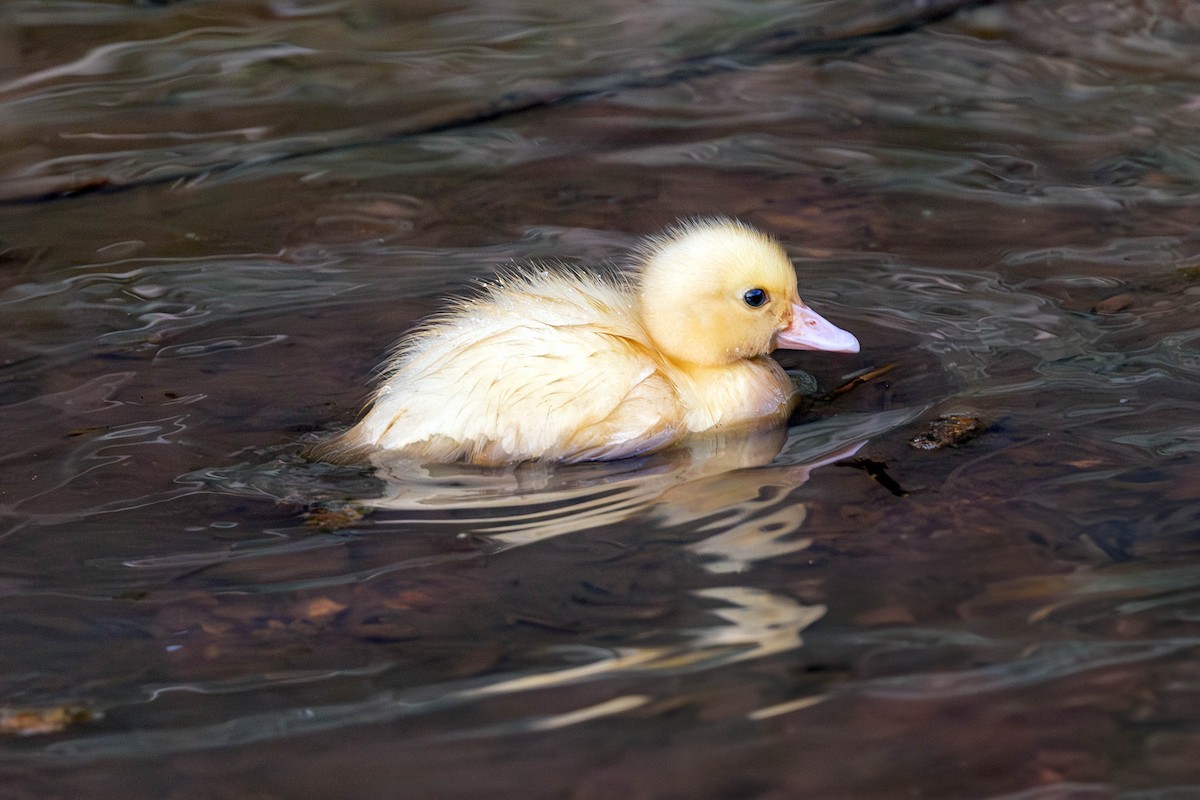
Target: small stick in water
x=859, y=380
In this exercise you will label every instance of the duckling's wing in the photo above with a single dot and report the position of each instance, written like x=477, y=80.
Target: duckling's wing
x=527, y=390
x=632, y=408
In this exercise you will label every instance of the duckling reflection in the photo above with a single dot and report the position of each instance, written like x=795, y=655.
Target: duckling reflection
x=734, y=488
x=742, y=624
x=745, y=624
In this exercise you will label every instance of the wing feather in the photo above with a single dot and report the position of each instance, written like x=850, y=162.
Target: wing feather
x=540, y=367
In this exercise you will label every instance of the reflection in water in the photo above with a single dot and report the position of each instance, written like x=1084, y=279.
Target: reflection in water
x=750, y=625
x=733, y=494
x=736, y=491
x=533, y=502
x=736, y=486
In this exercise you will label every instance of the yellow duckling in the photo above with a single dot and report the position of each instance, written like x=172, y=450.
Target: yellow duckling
x=565, y=366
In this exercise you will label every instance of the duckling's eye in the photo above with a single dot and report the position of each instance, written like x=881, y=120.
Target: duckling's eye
x=755, y=297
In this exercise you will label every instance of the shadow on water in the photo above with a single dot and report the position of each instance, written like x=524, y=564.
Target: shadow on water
x=1000, y=203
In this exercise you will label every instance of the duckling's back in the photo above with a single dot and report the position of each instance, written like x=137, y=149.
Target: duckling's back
x=546, y=364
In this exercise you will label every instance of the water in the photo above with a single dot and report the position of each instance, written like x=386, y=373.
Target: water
x=218, y=216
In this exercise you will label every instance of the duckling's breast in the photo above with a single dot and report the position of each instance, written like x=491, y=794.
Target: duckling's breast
x=752, y=392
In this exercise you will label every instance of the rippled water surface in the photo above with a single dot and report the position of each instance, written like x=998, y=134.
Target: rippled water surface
x=215, y=217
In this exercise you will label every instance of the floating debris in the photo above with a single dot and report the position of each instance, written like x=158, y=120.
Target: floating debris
x=331, y=518
x=948, y=430
x=35, y=721
x=1114, y=304
x=859, y=380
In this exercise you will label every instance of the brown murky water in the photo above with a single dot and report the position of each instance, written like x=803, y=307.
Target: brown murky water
x=217, y=216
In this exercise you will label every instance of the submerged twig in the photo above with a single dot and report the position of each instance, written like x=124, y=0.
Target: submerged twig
x=859, y=380
x=784, y=42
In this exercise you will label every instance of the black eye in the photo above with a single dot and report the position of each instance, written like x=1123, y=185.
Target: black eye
x=755, y=297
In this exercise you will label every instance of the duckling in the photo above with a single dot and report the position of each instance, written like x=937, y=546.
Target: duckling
x=562, y=365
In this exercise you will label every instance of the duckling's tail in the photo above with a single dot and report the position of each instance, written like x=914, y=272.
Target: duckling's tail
x=345, y=448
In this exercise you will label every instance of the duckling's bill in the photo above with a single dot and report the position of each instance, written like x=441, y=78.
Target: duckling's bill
x=810, y=331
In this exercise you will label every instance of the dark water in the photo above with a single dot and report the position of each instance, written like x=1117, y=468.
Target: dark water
x=211, y=233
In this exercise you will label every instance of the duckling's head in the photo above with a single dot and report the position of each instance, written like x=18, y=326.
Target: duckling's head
x=717, y=291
